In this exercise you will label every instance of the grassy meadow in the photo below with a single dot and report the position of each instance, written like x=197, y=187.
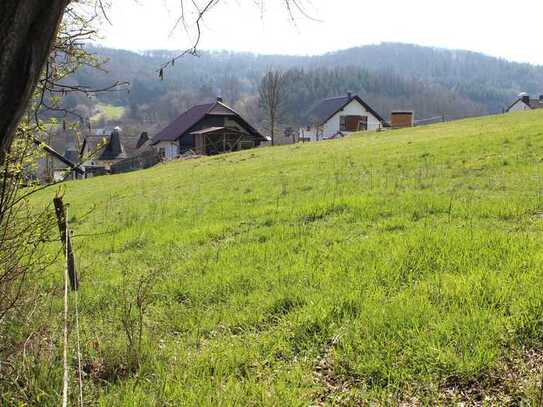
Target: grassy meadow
x=108, y=112
x=393, y=267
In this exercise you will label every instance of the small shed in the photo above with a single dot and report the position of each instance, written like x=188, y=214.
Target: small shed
x=402, y=119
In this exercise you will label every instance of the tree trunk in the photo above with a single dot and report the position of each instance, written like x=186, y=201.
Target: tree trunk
x=27, y=31
x=272, y=131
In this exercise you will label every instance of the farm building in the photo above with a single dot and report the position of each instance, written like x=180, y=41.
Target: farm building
x=206, y=129
x=95, y=155
x=524, y=102
x=99, y=154
x=339, y=116
x=115, y=156
x=402, y=119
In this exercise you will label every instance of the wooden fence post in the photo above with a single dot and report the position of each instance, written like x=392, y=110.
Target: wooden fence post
x=66, y=241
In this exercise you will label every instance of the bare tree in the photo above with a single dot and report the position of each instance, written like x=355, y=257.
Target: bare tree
x=40, y=46
x=271, y=92
x=230, y=88
x=28, y=29
x=24, y=230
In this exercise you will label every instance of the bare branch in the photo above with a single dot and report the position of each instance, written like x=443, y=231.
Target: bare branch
x=291, y=6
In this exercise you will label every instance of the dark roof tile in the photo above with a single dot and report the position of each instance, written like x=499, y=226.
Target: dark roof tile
x=191, y=117
x=183, y=123
x=326, y=108
x=536, y=104
x=143, y=139
x=114, y=149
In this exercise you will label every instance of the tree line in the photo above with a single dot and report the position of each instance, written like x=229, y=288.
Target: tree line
x=388, y=76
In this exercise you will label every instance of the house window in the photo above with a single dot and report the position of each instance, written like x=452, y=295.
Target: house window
x=363, y=123
x=162, y=152
x=342, y=123
x=353, y=123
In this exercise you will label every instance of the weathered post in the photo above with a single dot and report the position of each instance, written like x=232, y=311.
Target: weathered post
x=66, y=241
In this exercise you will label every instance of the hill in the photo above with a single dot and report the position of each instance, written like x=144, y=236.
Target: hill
x=401, y=266
x=389, y=76
x=493, y=82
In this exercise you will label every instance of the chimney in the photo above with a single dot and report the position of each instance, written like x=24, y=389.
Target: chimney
x=526, y=99
x=349, y=94
x=219, y=99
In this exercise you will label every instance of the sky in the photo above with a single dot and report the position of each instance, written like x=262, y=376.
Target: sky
x=507, y=29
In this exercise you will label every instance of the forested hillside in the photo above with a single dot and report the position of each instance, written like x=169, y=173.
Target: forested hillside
x=486, y=80
x=429, y=81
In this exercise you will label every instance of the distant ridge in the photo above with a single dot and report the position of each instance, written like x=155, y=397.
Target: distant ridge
x=469, y=83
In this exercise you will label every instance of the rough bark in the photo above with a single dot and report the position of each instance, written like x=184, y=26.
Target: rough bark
x=27, y=31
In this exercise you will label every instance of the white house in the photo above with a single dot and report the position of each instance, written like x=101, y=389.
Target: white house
x=524, y=102
x=339, y=116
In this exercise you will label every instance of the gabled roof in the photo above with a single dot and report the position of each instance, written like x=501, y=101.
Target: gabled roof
x=114, y=149
x=71, y=153
x=93, y=144
x=187, y=120
x=144, y=138
x=183, y=123
x=532, y=103
x=327, y=108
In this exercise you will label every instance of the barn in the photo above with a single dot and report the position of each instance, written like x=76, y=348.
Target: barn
x=206, y=129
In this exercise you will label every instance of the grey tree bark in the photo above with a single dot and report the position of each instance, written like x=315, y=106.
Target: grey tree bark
x=27, y=31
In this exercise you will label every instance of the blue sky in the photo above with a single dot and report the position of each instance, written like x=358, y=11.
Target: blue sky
x=505, y=29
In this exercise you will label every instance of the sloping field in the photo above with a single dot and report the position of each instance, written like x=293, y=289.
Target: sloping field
x=397, y=267
x=108, y=112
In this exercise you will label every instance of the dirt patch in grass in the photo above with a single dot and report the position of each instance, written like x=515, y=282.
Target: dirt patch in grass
x=517, y=381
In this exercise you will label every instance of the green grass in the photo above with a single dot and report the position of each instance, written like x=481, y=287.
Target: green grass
x=108, y=112
x=386, y=267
